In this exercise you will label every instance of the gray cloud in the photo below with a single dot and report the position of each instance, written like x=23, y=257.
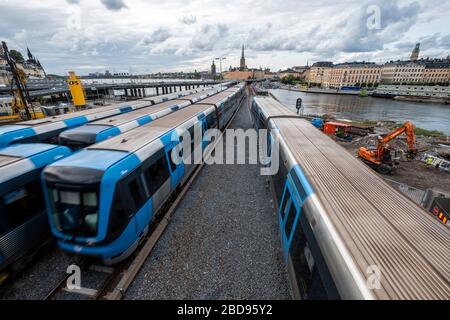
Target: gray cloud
x=114, y=5
x=189, y=20
x=298, y=31
x=157, y=36
x=209, y=36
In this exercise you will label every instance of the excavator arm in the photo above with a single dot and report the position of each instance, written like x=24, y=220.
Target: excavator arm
x=377, y=157
x=407, y=128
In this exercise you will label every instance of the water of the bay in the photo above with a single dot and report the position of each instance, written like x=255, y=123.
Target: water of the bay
x=431, y=116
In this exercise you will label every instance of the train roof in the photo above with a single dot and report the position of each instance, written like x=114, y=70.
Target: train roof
x=141, y=136
x=18, y=159
x=24, y=150
x=88, y=112
x=126, y=117
x=103, y=154
x=98, y=159
x=377, y=224
x=175, y=95
x=213, y=100
x=62, y=117
x=95, y=127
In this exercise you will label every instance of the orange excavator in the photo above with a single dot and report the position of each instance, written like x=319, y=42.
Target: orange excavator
x=380, y=158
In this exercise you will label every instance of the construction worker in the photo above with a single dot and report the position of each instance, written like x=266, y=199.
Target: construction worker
x=429, y=161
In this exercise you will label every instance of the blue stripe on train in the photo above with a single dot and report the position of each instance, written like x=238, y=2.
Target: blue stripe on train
x=42, y=159
x=145, y=119
x=298, y=189
x=77, y=121
x=306, y=190
x=106, y=134
x=12, y=136
x=125, y=109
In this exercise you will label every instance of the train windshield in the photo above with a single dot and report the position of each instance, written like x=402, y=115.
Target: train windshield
x=75, y=211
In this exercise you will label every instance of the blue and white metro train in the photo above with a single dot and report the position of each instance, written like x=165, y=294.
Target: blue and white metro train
x=23, y=214
x=101, y=200
x=345, y=232
x=100, y=130
x=46, y=130
x=23, y=218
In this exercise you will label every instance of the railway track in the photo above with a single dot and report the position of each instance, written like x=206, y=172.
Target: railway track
x=113, y=282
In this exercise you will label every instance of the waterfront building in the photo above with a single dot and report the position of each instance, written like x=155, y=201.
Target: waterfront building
x=360, y=74
x=244, y=75
x=402, y=72
x=32, y=67
x=424, y=71
x=436, y=73
x=243, y=72
x=290, y=72
x=317, y=72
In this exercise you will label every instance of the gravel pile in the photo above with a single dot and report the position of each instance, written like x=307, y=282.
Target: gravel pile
x=223, y=240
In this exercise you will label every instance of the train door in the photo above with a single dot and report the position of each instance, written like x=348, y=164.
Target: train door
x=288, y=213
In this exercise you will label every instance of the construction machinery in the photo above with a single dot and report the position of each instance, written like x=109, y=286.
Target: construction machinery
x=380, y=158
x=21, y=100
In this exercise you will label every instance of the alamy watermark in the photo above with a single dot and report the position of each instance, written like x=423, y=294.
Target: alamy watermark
x=373, y=21
x=373, y=281
x=213, y=147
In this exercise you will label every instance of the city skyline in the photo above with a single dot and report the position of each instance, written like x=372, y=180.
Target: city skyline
x=138, y=37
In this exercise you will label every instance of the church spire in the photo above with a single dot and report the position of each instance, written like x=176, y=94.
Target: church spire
x=30, y=56
x=242, y=65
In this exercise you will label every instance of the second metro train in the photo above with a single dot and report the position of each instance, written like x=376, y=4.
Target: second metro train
x=102, y=199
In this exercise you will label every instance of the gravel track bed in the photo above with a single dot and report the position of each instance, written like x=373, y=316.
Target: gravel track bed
x=222, y=242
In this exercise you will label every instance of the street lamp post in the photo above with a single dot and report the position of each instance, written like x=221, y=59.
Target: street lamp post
x=221, y=77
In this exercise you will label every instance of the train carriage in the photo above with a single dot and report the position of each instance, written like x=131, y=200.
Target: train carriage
x=101, y=200
x=345, y=232
x=101, y=130
x=46, y=130
x=23, y=217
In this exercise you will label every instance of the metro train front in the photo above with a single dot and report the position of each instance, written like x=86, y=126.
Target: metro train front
x=80, y=193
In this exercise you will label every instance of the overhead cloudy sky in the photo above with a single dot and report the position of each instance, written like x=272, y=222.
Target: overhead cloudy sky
x=150, y=36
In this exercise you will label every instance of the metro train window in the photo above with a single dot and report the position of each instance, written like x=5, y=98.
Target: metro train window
x=21, y=205
x=136, y=194
x=290, y=220
x=75, y=211
x=286, y=202
x=280, y=179
x=156, y=174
